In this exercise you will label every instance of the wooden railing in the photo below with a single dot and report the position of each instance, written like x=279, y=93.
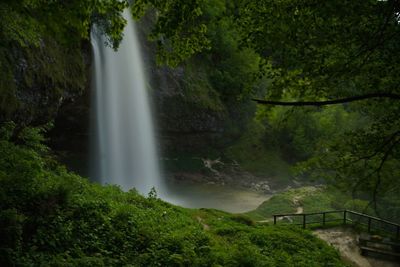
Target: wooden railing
x=343, y=216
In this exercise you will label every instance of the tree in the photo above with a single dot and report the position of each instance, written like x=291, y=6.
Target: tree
x=179, y=29
x=324, y=49
x=331, y=52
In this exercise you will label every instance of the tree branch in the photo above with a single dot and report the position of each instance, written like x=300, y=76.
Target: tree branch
x=328, y=102
x=378, y=150
x=377, y=171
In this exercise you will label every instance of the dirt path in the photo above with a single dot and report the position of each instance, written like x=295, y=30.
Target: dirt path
x=345, y=240
x=299, y=210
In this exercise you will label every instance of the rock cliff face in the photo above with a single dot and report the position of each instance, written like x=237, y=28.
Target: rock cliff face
x=42, y=79
x=195, y=108
x=185, y=104
x=48, y=83
x=187, y=120
x=54, y=85
x=181, y=123
x=188, y=111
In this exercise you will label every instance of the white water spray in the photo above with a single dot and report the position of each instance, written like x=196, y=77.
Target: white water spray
x=124, y=148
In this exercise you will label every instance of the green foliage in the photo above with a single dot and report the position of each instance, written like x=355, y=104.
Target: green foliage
x=199, y=90
x=316, y=51
x=54, y=218
x=330, y=50
x=359, y=206
x=296, y=38
x=389, y=204
x=153, y=193
x=233, y=69
x=28, y=22
x=362, y=161
x=41, y=57
x=310, y=199
x=294, y=251
x=302, y=133
x=24, y=30
x=179, y=30
x=254, y=152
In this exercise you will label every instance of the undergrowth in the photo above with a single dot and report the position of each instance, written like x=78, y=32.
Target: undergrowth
x=51, y=217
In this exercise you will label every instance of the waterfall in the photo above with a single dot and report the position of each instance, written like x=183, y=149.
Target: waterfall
x=124, y=151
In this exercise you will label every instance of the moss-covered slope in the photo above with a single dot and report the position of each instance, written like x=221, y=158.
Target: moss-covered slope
x=50, y=217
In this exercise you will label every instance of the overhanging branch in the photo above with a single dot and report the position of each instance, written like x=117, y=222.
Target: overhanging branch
x=328, y=102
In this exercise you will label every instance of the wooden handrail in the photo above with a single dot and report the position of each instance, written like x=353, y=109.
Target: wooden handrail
x=373, y=218
x=312, y=213
x=345, y=219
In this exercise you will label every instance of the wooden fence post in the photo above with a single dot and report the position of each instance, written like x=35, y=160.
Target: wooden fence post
x=274, y=219
x=344, y=216
x=369, y=225
x=304, y=221
x=323, y=219
x=398, y=233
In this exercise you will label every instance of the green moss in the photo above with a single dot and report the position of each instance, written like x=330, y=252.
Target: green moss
x=62, y=67
x=34, y=79
x=8, y=101
x=198, y=90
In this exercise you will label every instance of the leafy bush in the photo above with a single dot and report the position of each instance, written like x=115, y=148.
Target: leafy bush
x=50, y=217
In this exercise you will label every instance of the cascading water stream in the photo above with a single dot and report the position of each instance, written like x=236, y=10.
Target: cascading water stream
x=124, y=151
x=123, y=147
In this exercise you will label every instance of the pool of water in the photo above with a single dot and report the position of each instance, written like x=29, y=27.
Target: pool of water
x=230, y=199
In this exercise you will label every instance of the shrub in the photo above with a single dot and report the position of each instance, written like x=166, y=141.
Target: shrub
x=54, y=218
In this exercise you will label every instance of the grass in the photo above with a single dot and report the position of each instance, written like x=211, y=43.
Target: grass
x=311, y=199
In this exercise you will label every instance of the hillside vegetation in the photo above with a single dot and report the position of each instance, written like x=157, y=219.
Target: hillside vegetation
x=50, y=217
x=309, y=199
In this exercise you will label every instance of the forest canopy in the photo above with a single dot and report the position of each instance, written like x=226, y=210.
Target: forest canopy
x=313, y=53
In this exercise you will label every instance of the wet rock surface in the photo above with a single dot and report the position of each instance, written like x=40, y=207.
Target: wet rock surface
x=216, y=172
